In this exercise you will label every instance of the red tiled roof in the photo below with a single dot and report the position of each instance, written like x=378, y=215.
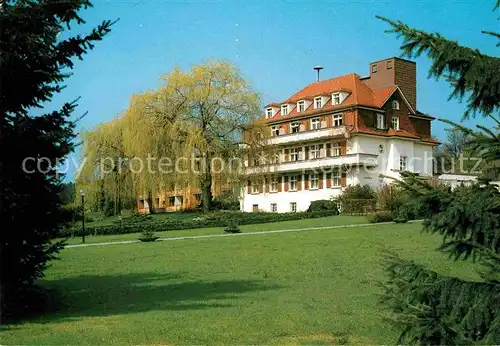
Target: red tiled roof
x=381, y=96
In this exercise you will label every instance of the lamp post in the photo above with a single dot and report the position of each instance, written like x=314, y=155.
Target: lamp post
x=83, y=215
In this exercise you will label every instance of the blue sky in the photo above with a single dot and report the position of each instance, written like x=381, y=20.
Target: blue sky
x=275, y=45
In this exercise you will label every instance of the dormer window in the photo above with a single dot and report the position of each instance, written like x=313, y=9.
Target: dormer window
x=318, y=102
x=395, y=105
x=389, y=64
x=336, y=99
x=269, y=113
x=301, y=106
x=284, y=110
x=395, y=123
x=374, y=68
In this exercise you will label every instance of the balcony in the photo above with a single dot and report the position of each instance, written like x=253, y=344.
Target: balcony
x=358, y=159
x=310, y=135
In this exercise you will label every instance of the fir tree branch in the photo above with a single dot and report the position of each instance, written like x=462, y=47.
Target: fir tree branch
x=470, y=71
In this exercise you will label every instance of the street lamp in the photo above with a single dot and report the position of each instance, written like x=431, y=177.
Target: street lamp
x=83, y=215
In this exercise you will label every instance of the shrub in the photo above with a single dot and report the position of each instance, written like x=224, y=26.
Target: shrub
x=358, y=199
x=147, y=236
x=226, y=201
x=232, y=228
x=322, y=205
x=217, y=219
x=380, y=216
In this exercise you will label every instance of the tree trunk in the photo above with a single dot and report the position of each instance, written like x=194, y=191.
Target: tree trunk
x=206, y=187
x=150, y=202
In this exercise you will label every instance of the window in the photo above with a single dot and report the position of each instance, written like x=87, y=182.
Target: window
x=255, y=208
x=274, y=184
x=274, y=207
x=336, y=99
x=318, y=102
x=284, y=110
x=336, y=149
x=293, y=183
x=337, y=119
x=269, y=113
x=293, y=207
x=315, y=123
x=301, y=106
x=178, y=201
x=395, y=105
x=314, y=181
x=294, y=127
x=275, y=130
x=380, y=121
x=294, y=154
x=314, y=152
x=403, y=160
x=395, y=123
x=336, y=178
x=389, y=64
x=374, y=68
x=255, y=188
x=275, y=158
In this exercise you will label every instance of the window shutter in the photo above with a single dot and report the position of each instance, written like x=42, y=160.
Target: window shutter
x=306, y=181
x=306, y=154
x=329, y=179
x=266, y=185
x=249, y=187
x=328, y=149
x=287, y=158
x=343, y=179
x=299, y=182
x=343, y=148
x=286, y=183
x=320, y=177
x=280, y=183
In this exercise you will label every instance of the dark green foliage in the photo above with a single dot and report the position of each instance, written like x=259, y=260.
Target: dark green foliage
x=148, y=236
x=427, y=307
x=226, y=201
x=358, y=199
x=33, y=64
x=219, y=219
x=232, y=228
x=323, y=204
x=67, y=194
x=380, y=216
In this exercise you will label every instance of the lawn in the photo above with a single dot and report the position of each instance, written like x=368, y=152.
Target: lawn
x=305, y=223
x=311, y=287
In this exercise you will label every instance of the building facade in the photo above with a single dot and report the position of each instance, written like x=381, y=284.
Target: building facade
x=342, y=131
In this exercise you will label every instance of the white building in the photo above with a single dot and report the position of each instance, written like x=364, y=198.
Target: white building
x=338, y=132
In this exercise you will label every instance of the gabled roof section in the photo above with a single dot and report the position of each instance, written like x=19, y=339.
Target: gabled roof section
x=381, y=96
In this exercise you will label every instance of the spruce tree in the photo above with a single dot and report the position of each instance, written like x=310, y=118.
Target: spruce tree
x=34, y=62
x=426, y=306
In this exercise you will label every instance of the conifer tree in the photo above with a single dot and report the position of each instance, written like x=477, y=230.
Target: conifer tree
x=427, y=306
x=35, y=60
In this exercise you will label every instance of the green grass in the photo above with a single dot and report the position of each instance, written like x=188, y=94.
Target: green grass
x=319, y=222
x=314, y=287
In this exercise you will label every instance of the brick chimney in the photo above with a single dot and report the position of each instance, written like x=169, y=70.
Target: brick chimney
x=394, y=71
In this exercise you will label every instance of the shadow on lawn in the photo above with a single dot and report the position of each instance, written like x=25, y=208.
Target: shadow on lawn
x=94, y=295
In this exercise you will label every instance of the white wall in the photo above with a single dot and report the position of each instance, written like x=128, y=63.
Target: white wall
x=387, y=164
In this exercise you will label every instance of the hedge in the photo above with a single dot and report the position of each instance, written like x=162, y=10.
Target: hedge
x=221, y=219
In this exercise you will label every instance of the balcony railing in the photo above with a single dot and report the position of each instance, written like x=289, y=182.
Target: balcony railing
x=358, y=159
x=309, y=135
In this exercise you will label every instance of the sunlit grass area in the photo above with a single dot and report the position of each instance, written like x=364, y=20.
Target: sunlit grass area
x=311, y=287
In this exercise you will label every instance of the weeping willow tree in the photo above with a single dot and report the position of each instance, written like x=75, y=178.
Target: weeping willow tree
x=187, y=132
x=105, y=175
x=429, y=307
